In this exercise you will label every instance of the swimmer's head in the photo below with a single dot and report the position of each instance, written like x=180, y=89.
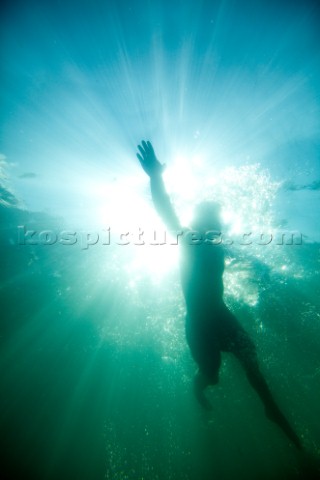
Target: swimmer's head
x=207, y=216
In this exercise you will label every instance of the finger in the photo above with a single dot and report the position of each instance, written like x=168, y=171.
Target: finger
x=140, y=158
x=145, y=146
x=150, y=146
x=142, y=151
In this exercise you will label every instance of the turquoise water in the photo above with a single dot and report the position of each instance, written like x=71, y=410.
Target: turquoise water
x=96, y=376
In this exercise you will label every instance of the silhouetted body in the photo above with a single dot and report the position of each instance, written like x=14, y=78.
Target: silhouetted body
x=210, y=326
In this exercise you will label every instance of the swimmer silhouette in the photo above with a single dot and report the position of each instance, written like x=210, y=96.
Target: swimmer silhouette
x=210, y=326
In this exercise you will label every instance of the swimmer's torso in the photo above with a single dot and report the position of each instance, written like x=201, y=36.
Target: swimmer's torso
x=201, y=268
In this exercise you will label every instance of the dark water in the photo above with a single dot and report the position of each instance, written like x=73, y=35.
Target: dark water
x=95, y=373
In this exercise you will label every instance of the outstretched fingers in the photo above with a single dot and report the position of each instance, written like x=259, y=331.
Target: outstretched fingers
x=147, y=158
x=147, y=146
x=140, y=158
x=143, y=151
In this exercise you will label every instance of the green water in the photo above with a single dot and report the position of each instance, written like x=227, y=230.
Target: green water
x=96, y=375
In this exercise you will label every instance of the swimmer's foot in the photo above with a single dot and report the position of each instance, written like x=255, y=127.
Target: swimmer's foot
x=204, y=402
x=199, y=384
x=277, y=417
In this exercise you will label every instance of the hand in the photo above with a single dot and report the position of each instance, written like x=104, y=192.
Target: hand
x=148, y=159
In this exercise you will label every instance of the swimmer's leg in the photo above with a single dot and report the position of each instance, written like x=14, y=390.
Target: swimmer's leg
x=208, y=374
x=206, y=353
x=245, y=351
x=200, y=383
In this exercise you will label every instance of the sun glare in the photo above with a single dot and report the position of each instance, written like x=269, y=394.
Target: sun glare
x=125, y=206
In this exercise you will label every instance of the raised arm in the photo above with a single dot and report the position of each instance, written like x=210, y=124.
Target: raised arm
x=161, y=200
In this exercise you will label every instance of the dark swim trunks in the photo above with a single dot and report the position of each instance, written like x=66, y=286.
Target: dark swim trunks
x=217, y=332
